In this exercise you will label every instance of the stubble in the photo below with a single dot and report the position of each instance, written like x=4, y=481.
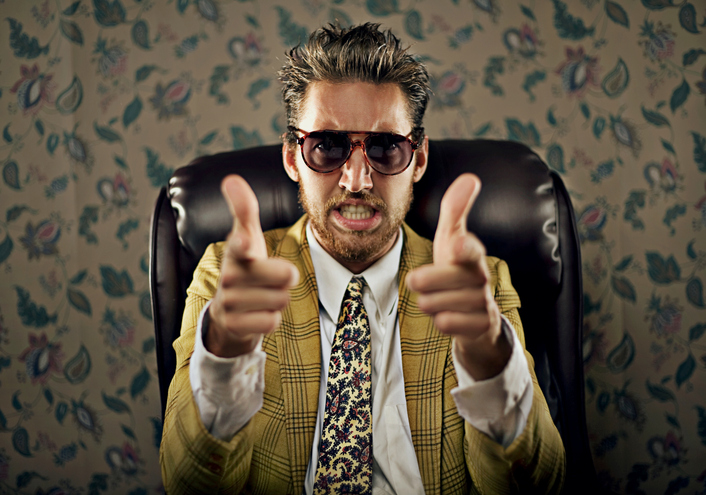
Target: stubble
x=355, y=246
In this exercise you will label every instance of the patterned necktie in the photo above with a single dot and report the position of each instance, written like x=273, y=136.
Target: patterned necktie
x=346, y=448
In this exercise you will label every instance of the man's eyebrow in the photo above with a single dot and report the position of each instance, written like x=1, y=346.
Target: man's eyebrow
x=377, y=128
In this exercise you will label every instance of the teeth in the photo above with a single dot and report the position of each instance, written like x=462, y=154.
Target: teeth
x=356, y=212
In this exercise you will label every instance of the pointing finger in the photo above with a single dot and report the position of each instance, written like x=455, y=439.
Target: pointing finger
x=453, y=215
x=246, y=240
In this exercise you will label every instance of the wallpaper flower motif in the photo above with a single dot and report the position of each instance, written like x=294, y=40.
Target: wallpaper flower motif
x=41, y=358
x=33, y=89
x=578, y=72
x=101, y=100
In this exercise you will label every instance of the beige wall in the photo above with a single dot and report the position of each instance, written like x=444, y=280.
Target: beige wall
x=102, y=99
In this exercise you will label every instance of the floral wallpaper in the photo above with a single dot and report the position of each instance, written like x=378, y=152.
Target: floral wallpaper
x=100, y=100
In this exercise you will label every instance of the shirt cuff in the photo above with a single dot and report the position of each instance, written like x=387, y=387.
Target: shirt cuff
x=499, y=406
x=228, y=391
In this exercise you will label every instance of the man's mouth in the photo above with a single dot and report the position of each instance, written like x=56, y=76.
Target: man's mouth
x=356, y=212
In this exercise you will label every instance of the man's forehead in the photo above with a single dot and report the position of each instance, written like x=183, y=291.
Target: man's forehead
x=330, y=124
x=356, y=106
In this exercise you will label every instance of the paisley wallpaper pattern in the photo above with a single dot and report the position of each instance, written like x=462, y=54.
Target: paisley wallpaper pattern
x=100, y=100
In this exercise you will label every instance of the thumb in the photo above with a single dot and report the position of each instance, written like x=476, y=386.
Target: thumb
x=453, y=216
x=246, y=240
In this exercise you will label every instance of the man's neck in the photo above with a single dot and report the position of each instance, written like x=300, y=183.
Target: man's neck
x=332, y=278
x=357, y=267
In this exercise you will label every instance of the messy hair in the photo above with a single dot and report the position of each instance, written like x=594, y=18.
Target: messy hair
x=356, y=54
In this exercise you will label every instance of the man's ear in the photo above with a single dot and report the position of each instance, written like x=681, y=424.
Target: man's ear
x=289, y=159
x=420, y=164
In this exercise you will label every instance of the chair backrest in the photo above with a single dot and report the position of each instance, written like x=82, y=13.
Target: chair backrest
x=523, y=215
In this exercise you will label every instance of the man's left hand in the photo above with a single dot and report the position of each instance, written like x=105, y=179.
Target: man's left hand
x=455, y=289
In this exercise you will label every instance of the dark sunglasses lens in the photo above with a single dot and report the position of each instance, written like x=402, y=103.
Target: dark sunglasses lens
x=325, y=151
x=389, y=153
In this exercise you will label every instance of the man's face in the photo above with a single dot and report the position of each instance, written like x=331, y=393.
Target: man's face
x=355, y=211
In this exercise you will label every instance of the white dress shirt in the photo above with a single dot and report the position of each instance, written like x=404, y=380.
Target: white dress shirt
x=228, y=391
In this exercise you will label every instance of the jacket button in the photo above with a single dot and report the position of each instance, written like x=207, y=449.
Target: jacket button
x=214, y=468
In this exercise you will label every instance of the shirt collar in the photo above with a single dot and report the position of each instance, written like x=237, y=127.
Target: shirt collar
x=332, y=278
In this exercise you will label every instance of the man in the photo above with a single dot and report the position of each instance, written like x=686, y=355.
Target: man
x=346, y=354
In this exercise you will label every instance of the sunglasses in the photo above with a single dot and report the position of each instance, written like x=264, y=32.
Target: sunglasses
x=385, y=152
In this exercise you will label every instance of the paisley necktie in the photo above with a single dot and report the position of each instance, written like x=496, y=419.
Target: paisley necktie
x=346, y=448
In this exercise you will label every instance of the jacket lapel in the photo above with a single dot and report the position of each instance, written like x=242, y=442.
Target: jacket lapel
x=299, y=350
x=424, y=355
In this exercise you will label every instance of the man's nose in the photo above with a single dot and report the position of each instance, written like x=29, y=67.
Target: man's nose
x=356, y=172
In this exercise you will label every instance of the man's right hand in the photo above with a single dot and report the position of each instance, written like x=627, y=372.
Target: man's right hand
x=253, y=289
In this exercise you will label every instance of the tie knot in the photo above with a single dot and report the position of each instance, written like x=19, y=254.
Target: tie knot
x=355, y=288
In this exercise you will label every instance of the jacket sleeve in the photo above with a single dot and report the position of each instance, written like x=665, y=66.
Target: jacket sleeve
x=192, y=460
x=536, y=458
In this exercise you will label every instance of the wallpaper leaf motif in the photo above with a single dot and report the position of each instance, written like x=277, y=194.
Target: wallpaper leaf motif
x=662, y=394
x=132, y=111
x=382, y=8
x=616, y=81
x=116, y=284
x=567, y=25
x=6, y=248
x=78, y=300
x=71, y=9
x=697, y=331
x=104, y=99
x=69, y=99
x=687, y=18
x=656, y=4
x=695, y=292
x=699, y=151
x=109, y=13
x=140, y=34
x=685, y=370
x=692, y=56
x=71, y=31
x=106, y=133
x=32, y=314
x=22, y=44
x=617, y=14
x=78, y=367
x=679, y=96
x=291, y=33
x=413, y=25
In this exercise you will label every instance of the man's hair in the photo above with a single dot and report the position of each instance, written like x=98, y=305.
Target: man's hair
x=356, y=54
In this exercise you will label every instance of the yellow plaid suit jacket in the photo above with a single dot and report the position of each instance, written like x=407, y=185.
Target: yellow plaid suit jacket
x=271, y=453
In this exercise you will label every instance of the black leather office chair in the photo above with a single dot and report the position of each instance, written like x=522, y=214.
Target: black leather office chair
x=523, y=215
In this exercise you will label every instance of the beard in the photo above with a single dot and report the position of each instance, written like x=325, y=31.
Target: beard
x=356, y=246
